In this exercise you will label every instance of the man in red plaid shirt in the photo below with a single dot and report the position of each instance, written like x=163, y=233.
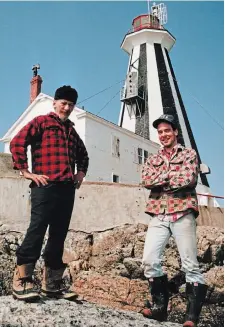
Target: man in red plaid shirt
x=172, y=175
x=56, y=149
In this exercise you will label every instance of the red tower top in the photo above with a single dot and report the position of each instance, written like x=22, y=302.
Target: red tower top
x=146, y=21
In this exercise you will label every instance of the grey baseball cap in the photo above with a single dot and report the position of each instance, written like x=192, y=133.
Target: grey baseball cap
x=165, y=119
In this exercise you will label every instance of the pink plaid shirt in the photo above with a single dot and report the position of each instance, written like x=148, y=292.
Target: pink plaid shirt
x=174, y=216
x=172, y=180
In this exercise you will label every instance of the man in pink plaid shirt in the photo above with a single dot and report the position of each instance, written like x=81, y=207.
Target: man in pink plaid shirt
x=172, y=175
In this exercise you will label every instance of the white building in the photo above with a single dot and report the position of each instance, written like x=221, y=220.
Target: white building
x=116, y=154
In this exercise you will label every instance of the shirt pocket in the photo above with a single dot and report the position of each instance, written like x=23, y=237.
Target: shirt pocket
x=159, y=164
x=53, y=131
x=52, y=136
x=176, y=164
x=157, y=161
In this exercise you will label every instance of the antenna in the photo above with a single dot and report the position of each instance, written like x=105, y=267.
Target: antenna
x=35, y=69
x=160, y=12
x=148, y=1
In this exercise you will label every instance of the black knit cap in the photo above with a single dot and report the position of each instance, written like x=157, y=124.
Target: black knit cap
x=66, y=92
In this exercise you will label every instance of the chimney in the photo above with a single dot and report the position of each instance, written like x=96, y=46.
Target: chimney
x=35, y=83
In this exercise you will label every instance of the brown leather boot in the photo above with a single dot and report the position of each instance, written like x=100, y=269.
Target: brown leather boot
x=53, y=284
x=23, y=285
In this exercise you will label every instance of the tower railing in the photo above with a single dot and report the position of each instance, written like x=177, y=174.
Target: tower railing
x=145, y=26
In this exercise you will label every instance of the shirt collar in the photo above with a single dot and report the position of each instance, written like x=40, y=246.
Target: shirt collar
x=175, y=149
x=68, y=122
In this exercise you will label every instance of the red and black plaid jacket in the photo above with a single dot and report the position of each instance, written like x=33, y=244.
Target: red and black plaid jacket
x=55, y=148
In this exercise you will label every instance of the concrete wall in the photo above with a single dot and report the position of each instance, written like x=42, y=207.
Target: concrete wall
x=98, y=206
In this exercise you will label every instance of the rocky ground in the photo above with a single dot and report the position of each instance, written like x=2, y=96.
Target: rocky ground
x=105, y=270
x=63, y=313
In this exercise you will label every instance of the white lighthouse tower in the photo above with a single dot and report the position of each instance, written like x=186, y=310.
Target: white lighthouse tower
x=151, y=88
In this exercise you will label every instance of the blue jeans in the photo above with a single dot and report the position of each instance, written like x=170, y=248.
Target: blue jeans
x=184, y=233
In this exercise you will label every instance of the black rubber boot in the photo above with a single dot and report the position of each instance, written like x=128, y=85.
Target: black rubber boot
x=196, y=294
x=160, y=297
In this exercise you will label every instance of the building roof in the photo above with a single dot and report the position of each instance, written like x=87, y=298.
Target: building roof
x=80, y=112
x=39, y=98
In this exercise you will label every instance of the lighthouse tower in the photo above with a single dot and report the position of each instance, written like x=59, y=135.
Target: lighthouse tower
x=151, y=88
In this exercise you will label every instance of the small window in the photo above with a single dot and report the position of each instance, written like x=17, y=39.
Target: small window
x=145, y=156
x=115, y=179
x=116, y=146
x=140, y=153
x=141, y=156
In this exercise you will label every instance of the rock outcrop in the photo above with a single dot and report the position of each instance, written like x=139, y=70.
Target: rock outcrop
x=62, y=313
x=105, y=269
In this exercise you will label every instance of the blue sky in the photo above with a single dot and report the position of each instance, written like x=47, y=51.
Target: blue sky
x=78, y=43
